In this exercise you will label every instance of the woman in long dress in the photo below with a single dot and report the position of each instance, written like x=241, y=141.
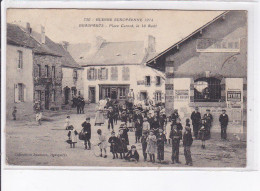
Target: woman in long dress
x=99, y=118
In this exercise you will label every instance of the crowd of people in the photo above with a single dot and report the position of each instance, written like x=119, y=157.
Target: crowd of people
x=152, y=129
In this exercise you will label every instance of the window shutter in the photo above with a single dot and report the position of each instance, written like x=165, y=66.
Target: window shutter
x=88, y=74
x=24, y=93
x=223, y=90
x=16, y=93
x=99, y=74
x=192, y=90
x=116, y=73
x=95, y=73
x=106, y=73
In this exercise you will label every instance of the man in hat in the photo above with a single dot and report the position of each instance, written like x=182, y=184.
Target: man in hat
x=160, y=145
x=110, y=116
x=208, y=122
x=175, y=136
x=196, y=117
x=223, y=119
x=87, y=133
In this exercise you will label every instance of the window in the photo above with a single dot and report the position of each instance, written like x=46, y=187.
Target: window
x=114, y=73
x=158, y=80
x=53, y=96
x=39, y=70
x=91, y=74
x=20, y=92
x=47, y=71
x=102, y=74
x=20, y=59
x=147, y=80
x=207, y=90
x=38, y=95
x=75, y=74
x=53, y=72
x=158, y=96
x=107, y=92
x=122, y=93
x=125, y=74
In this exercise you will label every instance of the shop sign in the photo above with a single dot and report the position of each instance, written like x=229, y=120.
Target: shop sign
x=234, y=96
x=218, y=45
x=181, y=95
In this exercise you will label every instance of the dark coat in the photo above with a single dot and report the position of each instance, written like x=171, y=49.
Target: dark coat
x=176, y=136
x=187, y=138
x=125, y=135
x=195, y=117
x=161, y=140
x=110, y=115
x=138, y=129
x=223, y=119
x=130, y=155
x=122, y=146
x=87, y=129
x=179, y=126
x=114, y=142
x=174, y=117
x=208, y=120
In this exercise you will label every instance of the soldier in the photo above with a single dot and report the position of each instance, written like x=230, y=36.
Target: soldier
x=110, y=116
x=208, y=122
x=196, y=117
x=223, y=119
x=175, y=136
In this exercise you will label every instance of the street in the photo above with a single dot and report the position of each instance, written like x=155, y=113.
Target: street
x=28, y=144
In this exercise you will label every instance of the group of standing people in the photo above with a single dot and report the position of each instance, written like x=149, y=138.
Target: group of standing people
x=79, y=103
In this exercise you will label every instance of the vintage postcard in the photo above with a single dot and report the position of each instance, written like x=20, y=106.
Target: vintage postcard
x=126, y=88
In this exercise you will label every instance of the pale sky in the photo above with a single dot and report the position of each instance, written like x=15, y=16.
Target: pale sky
x=63, y=24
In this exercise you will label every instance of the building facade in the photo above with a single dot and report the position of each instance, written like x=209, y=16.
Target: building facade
x=117, y=67
x=19, y=79
x=208, y=69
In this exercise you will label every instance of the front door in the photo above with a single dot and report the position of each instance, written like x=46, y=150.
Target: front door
x=92, y=94
x=66, y=95
x=47, y=99
x=113, y=93
x=143, y=95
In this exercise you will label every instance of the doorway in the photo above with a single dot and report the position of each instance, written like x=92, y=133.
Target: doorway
x=66, y=95
x=47, y=99
x=92, y=94
x=143, y=96
x=113, y=93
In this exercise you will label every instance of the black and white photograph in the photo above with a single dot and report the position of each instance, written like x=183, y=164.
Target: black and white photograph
x=126, y=88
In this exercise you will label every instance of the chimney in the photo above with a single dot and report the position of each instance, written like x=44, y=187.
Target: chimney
x=99, y=41
x=65, y=45
x=28, y=28
x=151, y=44
x=42, y=34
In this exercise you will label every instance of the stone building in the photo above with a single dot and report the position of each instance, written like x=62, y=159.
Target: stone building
x=116, y=67
x=208, y=69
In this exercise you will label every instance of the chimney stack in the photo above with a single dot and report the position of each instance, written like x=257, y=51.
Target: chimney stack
x=65, y=45
x=151, y=44
x=42, y=34
x=28, y=28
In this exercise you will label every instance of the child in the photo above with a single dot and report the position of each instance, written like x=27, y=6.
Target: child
x=203, y=134
x=132, y=155
x=151, y=146
x=14, y=113
x=72, y=137
x=87, y=133
x=114, y=141
x=138, y=130
x=102, y=144
x=67, y=123
x=144, y=144
x=122, y=146
x=160, y=145
x=146, y=126
x=187, y=142
x=176, y=136
x=187, y=122
x=179, y=125
x=38, y=117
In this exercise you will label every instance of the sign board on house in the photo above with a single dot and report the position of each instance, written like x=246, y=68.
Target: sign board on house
x=181, y=95
x=234, y=95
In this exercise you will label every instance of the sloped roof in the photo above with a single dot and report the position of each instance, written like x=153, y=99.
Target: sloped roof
x=80, y=52
x=117, y=53
x=17, y=36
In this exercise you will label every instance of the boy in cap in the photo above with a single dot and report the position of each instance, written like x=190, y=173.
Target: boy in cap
x=187, y=142
x=110, y=116
x=114, y=141
x=160, y=145
x=87, y=131
x=175, y=136
x=132, y=155
x=196, y=117
x=223, y=119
